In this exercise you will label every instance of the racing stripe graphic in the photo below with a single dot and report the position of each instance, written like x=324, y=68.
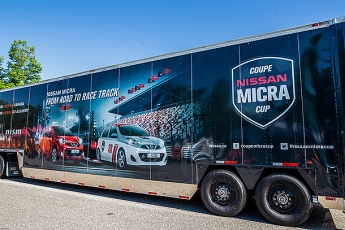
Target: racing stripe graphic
x=113, y=157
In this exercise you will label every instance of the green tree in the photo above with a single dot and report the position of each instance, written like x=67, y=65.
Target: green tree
x=22, y=67
x=2, y=74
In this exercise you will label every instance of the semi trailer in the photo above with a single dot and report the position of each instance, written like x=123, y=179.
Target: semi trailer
x=261, y=116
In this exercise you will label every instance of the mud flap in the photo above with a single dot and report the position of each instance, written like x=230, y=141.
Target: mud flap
x=13, y=169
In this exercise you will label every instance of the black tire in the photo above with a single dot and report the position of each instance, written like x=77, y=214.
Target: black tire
x=282, y=199
x=223, y=193
x=3, y=163
x=121, y=159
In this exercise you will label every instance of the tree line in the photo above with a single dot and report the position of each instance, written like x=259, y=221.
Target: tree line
x=22, y=67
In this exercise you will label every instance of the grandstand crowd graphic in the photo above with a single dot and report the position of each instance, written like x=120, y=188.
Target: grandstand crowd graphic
x=161, y=119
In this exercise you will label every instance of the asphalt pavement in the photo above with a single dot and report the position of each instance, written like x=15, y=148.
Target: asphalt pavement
x=35, y=204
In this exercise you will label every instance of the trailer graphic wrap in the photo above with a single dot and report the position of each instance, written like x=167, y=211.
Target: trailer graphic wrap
x=120, y=122
x=262, y=115
x=263, y=89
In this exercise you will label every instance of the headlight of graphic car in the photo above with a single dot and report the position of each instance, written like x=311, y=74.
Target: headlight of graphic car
x=80, y=140
x=62, y=140
x=161, y=143
x=132, y=141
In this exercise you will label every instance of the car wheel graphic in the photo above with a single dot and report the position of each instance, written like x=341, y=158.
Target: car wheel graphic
x=54, y=155
x=39, y=152
x=121, y=159
x=98, y=155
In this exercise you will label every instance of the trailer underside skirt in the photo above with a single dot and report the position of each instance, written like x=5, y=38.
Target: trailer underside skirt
x=149, y=187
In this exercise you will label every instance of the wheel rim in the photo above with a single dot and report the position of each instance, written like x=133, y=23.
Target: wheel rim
x=54, y=155
x=121, y=158
x=283, y=200
x=222, y=192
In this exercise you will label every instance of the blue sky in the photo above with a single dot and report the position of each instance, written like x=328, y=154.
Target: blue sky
x=73, y=36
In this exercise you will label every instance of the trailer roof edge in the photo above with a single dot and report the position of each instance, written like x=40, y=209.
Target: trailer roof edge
x=278, y=33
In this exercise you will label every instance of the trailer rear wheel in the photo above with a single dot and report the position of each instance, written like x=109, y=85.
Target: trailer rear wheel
x=283, y=200
x=2, y=166
x=223, y=193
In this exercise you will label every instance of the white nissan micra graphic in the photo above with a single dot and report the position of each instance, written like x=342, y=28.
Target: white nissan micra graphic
x=127, y=144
